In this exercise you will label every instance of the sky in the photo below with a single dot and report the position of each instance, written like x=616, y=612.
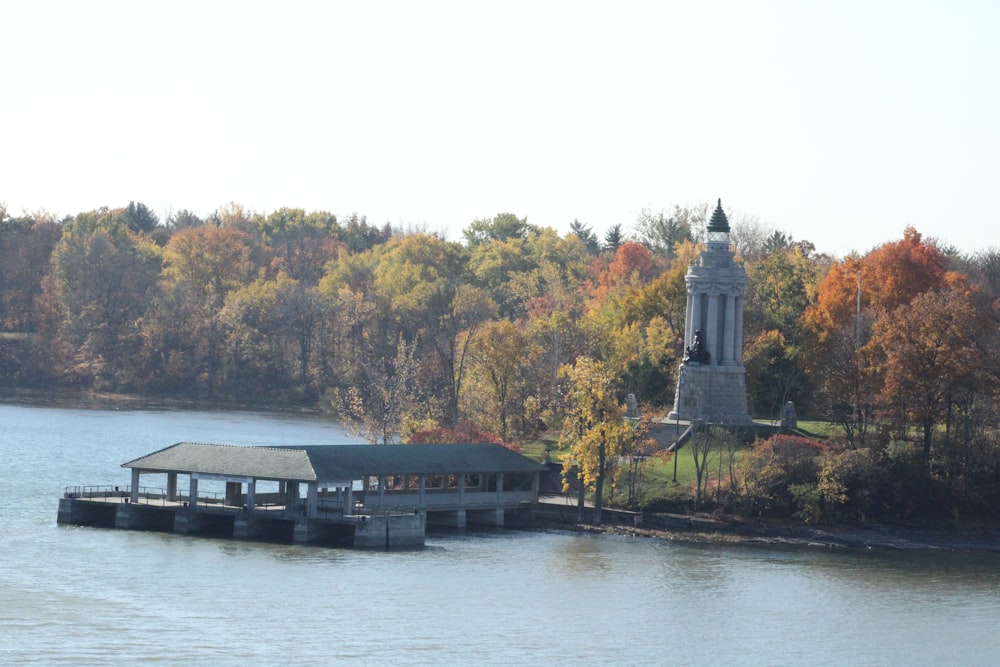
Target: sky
x=839, y=123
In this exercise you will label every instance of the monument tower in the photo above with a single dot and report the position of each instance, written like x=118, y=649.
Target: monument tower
x=711, y=383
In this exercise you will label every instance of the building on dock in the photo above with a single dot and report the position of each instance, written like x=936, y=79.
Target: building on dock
x=367, y=496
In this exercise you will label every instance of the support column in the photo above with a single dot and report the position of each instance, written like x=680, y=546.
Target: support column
x=712, y=335
x=312, y=498
x=689, y=321
x=291, y=495
x=171, y=486
x=134, y=494
x=422, y=491
x=729, y=331
x=349, y=499
x=251, y=494
x=193, y=491
x=381, y=490
x=461, y=489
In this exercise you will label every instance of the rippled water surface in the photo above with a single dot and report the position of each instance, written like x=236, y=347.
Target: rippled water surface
x=80, y=596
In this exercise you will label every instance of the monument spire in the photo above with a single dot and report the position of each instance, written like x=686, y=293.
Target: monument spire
x=711, y=384
x=719, y=221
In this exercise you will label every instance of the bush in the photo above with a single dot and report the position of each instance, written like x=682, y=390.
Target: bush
x=771, y=468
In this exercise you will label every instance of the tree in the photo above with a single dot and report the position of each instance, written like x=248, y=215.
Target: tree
x=139, y=218
x=594, y=427
x=613, y=238
x=384, y=396
x=465, y=432
x=202, y=266
x=359, y=236
x=302, y=243
x=102, y=277
x=425, y=281
x=660, y=231
x=772, y=373
x=855, y=292
x=500, y=354
x=183, y=219
x=586, y=235
x=498, y=266
x=26, y=246
x=500, y=227
x=929, y=348
x=271, y=326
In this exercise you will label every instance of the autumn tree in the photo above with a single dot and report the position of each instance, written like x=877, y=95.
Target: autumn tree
x=502, y=355
x=302, y=243
x=781, y=285
x=425, y=281
x=859, y=290
x=102, y=277
x=594, y=428
x=929, y=350
x=384, y=396
x=26, y=246
x=184, y=337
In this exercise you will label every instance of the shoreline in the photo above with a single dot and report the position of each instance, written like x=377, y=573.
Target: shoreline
x=982, y=538
x=95, y=400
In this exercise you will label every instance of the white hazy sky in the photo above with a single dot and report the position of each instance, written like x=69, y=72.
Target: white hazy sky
x=837, y=122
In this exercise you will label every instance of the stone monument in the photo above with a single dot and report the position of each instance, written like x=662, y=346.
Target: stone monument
x=711, y=383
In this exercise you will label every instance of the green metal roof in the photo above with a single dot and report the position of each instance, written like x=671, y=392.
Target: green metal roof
x=333, y=462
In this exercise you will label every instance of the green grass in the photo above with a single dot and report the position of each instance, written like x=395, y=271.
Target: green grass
x=818, y=429
x=658, y=474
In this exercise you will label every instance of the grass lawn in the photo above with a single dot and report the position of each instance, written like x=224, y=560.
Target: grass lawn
x=658, y=474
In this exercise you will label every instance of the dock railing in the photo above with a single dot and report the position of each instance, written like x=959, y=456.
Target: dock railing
x=148, y=495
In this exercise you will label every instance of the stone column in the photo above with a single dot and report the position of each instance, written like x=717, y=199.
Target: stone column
x=193, y=491
x=729, y=331
x=421, y=491
x=134, y=494
x=712, y=335
x=349, y=499
x=381, y=490
x=738, y=342
x=695, y=316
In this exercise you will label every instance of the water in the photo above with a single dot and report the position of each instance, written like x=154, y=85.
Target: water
x=82, y=596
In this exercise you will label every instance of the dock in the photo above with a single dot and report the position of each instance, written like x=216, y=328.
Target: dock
x=360, y=496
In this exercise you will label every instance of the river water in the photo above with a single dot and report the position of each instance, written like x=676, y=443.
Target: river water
x=87, y=596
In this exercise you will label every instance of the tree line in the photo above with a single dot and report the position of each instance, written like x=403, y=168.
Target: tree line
x=402, y=331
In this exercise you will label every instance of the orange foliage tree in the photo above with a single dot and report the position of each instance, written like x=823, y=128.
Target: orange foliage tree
x=928, y=349
x=835, y=336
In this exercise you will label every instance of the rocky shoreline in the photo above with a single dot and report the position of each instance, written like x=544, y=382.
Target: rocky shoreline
x=977, y=538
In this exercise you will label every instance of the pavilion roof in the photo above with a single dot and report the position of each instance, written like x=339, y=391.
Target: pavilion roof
x=332, y=462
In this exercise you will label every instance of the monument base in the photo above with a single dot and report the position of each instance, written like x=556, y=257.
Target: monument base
x=711, y=393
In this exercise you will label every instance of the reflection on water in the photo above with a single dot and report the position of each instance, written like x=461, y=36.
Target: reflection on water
x=77, y=595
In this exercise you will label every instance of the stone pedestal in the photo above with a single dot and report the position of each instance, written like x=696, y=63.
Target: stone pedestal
x=711, y=393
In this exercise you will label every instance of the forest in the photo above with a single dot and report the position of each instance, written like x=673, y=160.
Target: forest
x=515, y=331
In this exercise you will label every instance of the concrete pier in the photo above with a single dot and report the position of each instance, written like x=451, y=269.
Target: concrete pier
x=347, y=495
x=389, y=530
